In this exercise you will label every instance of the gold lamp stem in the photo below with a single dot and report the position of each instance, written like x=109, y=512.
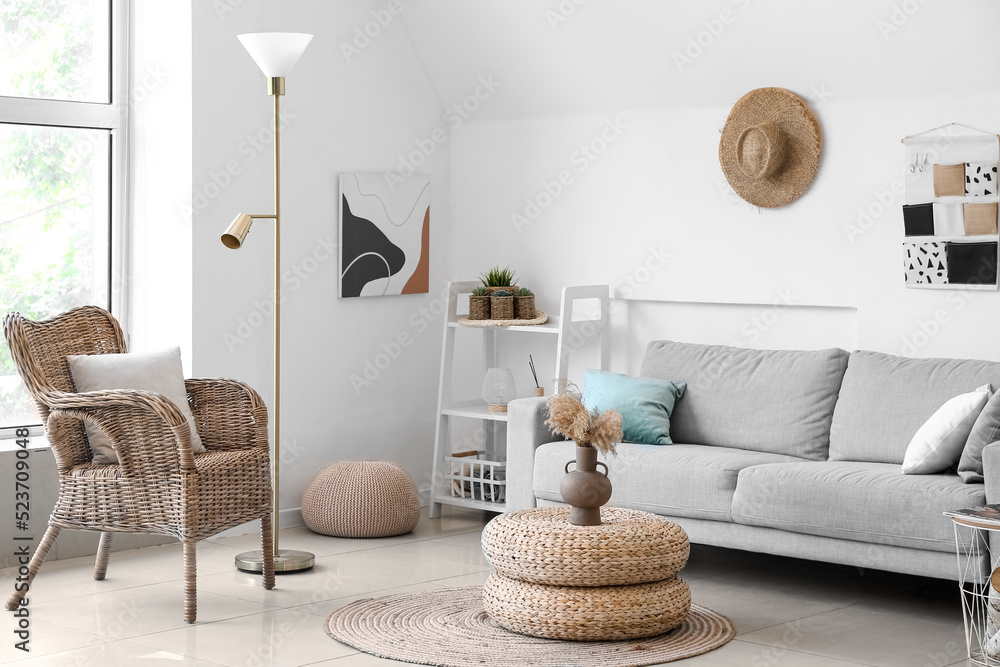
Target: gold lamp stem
x=277, y=315
x=287, y=561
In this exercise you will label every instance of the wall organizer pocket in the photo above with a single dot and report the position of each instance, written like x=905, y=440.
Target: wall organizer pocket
x=980, y=179
x=949, y=180
x=950, y=214
x=980, y=219
x=918, y=219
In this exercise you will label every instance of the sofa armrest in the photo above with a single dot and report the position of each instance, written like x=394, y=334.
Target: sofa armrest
x=991, y=474
x=526, y=430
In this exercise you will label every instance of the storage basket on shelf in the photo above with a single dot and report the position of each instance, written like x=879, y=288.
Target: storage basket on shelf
x=478, y=475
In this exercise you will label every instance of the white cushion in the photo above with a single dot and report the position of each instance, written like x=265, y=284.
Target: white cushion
x=940, y=441
x=158, y=371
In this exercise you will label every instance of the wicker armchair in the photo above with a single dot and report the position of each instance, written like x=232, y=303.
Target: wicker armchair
x=159, y=486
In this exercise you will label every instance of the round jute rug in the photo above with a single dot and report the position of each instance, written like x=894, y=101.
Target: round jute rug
x=449, y=628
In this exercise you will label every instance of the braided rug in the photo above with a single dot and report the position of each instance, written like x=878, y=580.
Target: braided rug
x=449, y=628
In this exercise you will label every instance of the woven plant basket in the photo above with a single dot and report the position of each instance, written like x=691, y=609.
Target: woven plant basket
x=509, y=288
x=524, y=307
x=501, y=307
x=479, y=307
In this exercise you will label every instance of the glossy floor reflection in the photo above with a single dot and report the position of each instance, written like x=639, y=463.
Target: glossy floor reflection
x=787, y=612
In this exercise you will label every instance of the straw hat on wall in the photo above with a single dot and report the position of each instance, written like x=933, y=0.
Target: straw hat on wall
x=770, y=147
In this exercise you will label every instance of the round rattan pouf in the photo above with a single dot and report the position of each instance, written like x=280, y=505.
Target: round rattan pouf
x=556, y=580
x=361, y=499
x=587, y=613
x=629, y=547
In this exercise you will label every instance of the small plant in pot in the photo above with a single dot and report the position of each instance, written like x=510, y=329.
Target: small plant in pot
x=479, y=304
x=502, y=305
x=584, y=489
x=524, y=304
x=497, y=279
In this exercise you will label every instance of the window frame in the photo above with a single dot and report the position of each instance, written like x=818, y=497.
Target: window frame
x=114, y=117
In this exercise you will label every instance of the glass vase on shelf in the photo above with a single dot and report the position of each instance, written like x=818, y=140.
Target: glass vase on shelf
x=498, y=389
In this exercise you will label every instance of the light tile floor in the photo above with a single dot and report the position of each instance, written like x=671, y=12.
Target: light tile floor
x=787, y=612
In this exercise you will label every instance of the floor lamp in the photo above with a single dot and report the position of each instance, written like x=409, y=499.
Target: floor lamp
x=275, y=53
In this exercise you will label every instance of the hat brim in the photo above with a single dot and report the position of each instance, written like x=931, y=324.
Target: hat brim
x=803, y=144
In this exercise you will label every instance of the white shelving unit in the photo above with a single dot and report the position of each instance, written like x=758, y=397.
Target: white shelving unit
x=479, y=482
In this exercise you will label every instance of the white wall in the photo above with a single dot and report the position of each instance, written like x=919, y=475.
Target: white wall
x=343, y=117
x=160, y=160
x=647, y=215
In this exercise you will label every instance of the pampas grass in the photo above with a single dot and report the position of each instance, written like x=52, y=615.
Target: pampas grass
x=568, y=417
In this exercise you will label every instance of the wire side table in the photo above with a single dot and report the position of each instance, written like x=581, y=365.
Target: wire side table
x=980, y=599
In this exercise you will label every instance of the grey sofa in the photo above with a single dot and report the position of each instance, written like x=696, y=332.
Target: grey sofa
x=793, y=453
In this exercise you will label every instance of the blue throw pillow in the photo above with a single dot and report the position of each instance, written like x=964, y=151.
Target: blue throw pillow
x=645, y=403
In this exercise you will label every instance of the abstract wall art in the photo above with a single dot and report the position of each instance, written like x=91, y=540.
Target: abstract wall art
x=384, y=235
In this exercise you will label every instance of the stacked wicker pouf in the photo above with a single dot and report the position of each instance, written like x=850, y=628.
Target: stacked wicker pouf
x=361, y=499
x=587, y=583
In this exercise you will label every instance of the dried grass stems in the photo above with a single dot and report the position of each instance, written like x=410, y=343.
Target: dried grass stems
x=570, y=418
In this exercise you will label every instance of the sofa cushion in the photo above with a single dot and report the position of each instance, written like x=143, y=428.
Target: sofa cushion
x=866, y=502
x=694, y=481
x=776, y=401
x=644, y=403
x=885, y=399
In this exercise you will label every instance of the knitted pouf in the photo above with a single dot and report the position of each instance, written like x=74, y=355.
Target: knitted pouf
x=361, y=499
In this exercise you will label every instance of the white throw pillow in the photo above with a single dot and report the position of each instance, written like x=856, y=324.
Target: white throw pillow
x=158, y=371
x=940, y=441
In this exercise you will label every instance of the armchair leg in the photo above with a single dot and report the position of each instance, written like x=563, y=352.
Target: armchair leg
x=51, y=533
x=190, y=579
x=103, y=551
x=267, y=548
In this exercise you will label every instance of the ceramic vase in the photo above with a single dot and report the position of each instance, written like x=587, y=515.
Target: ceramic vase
x=585, y=489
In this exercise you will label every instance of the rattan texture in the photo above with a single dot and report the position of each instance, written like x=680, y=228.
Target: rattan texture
x=587, y=613
x=479, y=308
x=800, y=142
x=449, y=627
x=629, y=547
x=539, y=318
x=159, y=485
x=502, y=307
x=361, y=499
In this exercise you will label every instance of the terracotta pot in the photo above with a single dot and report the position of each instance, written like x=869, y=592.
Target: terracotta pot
x=585, y=489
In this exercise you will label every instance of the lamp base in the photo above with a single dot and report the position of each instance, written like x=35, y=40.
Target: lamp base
x=286, y=560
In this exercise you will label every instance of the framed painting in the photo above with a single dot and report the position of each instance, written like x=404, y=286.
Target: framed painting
x=384, y=235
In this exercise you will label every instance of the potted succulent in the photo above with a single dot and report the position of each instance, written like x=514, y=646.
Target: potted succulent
x=479, y=304
x=502, y=305
x=497, y=279
x=585, y=489
x=524, y=304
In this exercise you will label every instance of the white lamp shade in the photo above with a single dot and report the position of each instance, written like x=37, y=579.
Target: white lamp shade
x=275, y=52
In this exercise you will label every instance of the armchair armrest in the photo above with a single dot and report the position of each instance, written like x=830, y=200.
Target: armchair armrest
x=991, y=475
x=147, y=431
x=228, y=414
x=526, y=430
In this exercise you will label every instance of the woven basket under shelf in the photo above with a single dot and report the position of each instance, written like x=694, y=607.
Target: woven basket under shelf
x=587, y=614
x=629, y=547
x=361, y=499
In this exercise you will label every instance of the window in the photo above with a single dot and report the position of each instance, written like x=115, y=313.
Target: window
x=63, y=120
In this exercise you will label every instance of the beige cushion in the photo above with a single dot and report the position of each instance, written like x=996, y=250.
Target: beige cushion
x=157, y=371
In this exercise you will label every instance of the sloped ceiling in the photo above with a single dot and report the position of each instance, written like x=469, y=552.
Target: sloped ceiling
x=553, y=56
